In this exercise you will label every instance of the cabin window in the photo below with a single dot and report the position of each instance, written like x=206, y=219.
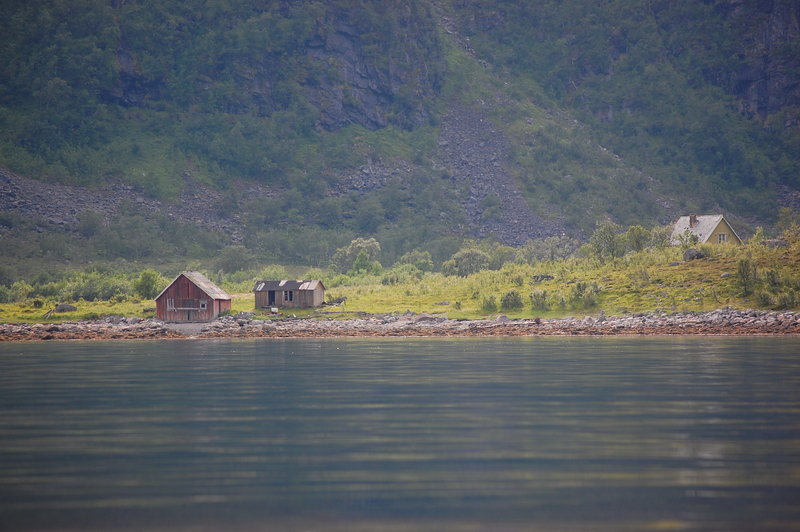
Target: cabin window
x=288, y=295
x=203, y=304
x=722, y=237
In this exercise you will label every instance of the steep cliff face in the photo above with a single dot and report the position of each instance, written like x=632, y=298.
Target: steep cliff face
x=769, y=79
x=353, y=64
x=381, y=70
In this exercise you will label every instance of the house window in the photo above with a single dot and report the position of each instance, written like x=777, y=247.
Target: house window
x=722, y=237
x=288, y=295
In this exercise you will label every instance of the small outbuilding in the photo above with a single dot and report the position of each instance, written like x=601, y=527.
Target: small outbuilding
x=289, y=294
x=709, y=229
x=192, y=297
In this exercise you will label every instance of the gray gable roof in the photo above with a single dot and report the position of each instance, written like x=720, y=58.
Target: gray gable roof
x=706, y=223
x=263, y=286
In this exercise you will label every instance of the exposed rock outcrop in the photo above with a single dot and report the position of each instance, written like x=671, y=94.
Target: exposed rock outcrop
x=768, y=80
x=374, y=84
x=63, y=207
x=475, y=154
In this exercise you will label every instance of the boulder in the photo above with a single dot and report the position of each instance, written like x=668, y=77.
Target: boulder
x=65, y=307
x=693, y=254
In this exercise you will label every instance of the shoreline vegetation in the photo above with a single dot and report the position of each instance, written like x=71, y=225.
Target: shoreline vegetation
x=620, y=282
x=720, y=322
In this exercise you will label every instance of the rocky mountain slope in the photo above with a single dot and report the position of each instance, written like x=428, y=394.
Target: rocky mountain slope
x=280, y=124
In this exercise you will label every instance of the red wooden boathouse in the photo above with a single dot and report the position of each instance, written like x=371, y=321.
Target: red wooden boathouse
x=191, y=297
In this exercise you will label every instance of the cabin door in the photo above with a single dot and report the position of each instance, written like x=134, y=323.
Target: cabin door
x=271, y=298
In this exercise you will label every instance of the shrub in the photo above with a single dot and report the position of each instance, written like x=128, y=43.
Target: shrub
x=344, y=258
x=420, y=259
x=584, y=295
x=20, y=291
x=606, y=242
x=489, y=304
x=765, y=299
x=547, y=249
x=539, y=300
x=234, y=258
x=339, y=280
x=636, y=238
x=787, y=299
x=363, y=265
x=466, y=262
x=402, y=273
x=511, y=300
x=746, y=275
x=148, y=285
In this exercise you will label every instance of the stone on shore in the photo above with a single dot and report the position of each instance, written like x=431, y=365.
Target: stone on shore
x=718, y=322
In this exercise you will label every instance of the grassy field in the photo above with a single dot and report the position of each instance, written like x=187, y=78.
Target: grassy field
x=750, y=276
x=647, y=281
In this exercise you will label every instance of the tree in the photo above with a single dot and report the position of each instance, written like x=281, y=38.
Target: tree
x=466, y=262
x=687, y=239
x=343, y=260
x=234, y=259
x=746, y=275
x=148, y=284
x=363, y=264
x=636, y=238
x=547, y=249
x=606, y=242
x=420, y=259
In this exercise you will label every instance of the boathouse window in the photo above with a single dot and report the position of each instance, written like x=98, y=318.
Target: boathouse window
x=203, y=304
x=288, y=295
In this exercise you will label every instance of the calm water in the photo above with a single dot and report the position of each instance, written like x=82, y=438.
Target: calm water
x=542, y=434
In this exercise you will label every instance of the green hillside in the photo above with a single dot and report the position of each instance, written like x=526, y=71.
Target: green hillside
x=358, y=118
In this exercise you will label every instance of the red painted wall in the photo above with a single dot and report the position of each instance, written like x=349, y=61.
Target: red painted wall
x=185, y=294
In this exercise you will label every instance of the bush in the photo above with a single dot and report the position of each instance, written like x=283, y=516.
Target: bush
x=765, y=299
x=402, y=273
x=234, y=259
x=539, y=300
x=148, y=285
x=420, y=259
x=786, y=300
x=489, y=304
x=363, y=265
x=511, y=300
x=606, y=242
x=547, y=249
x=746, y=276
x=584, y=295
x=466, y=262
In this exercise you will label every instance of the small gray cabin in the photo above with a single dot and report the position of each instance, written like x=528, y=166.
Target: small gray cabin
x=289, y=294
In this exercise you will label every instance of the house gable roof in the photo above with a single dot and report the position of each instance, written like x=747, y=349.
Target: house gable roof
x=203, y=283
x=262, y=286
x=705, y=226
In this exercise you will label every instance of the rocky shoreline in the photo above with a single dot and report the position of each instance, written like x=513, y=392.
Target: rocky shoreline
x=718, y=322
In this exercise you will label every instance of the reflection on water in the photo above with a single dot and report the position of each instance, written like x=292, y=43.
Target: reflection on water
x=512, y=434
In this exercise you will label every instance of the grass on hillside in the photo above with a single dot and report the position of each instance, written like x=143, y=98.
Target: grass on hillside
x=639, y=282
